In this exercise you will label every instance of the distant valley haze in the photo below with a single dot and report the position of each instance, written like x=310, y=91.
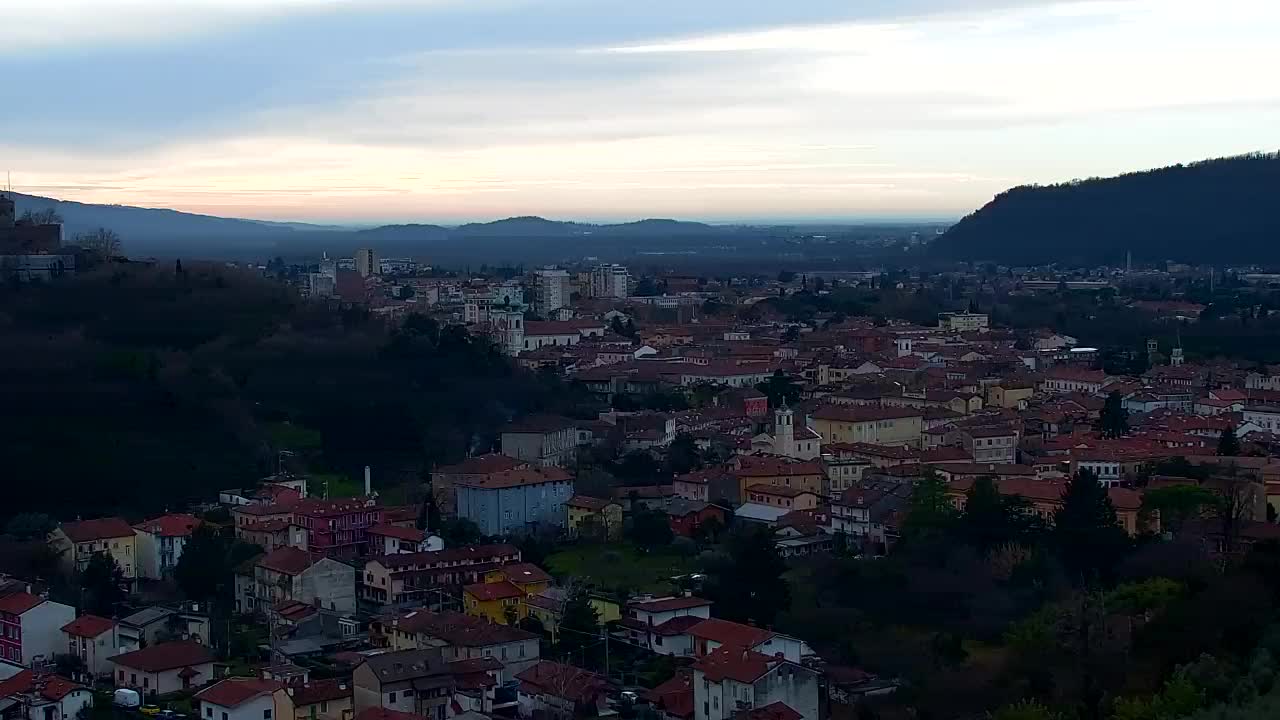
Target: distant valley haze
x=365, y=113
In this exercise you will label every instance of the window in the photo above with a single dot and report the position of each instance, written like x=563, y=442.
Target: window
x=224, y=716
x=266, y=714
x=408, y=692
x=208, y=711
x=324, y=706
x=391, y=697
x=146, y=681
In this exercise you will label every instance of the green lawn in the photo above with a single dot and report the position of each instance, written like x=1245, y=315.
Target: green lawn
x=609, y=567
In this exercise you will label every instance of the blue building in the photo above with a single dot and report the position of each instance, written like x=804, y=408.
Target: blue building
x=515, y=502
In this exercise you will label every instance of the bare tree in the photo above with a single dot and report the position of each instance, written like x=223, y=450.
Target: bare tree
x=47, y=216
x=105, y=243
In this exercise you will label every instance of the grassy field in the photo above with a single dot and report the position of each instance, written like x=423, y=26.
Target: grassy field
x=608, y=567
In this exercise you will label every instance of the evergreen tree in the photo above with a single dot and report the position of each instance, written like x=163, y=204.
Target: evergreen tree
x=1089, y=537
x=650, y=528
x=746, y=582
x=203, y=565
x=102, y=582
x=579, y=628
x=1228, y=443
x=929, y=511
x=990, y=519
x=1114, y=421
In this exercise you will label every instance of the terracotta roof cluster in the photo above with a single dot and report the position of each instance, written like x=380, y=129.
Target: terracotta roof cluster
x=774, y=466
x=84, y=531
x=18, y=603
x=584, y=502
x=460, y=629
x=735, y=663
x=730, y=634
x=563, y=681
x=318, y=691
x=174, y=525
x=232, y=692
x=487, y=591
x=460, y=556
x=675, y=696
x=49, y=687
x=287, y=560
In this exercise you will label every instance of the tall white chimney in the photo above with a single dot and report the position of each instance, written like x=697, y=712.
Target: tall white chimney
x=368, y=481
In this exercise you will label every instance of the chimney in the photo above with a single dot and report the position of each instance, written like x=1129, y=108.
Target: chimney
x=368, y=484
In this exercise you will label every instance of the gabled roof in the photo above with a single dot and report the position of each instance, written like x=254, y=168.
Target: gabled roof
x=232, y=692
x=50, y=687
x=322, y=691
x=773, y=711
x=678, y=625
x=563, y=681
x=406, y=664
x=100, y=529
x=400, y=533
x=174, y=525
x=730, y=633
x=286, y=559
x=668, y=604
x=165, y=656
x=460, y=629
x=517, y=478
x=88, y=626
x=524, y=573
x=481, y=465
x=18, y=603
x=584, y=502
x=485, y=592
x=735, y=663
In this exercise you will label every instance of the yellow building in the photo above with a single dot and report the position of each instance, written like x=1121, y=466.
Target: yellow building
x=593, y=517
x=316, y=700
x=868, y=424
x=501, y=597
x=548, y=607
x=749, y=470
x=76, y=542
x=1010, y=395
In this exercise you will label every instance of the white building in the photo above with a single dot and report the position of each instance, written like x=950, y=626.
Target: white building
x=31, y=628
x=731, y=680
x=551, y=290
x=1266, y=417
x=238, y=699
x=610, y=281
x=43, y=697
x=662, y=624
x=164, y=668
x=785, y=440
x=92, y=639
x=964, y=322
x=366, y=261
x=159, y=544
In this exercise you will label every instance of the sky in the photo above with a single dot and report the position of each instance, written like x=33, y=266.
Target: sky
x=721, y=110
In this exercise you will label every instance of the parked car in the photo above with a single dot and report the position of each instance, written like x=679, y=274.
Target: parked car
x=149, y=710
x=126, y=698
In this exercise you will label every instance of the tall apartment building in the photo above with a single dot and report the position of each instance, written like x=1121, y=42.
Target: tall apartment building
x=367, y=263
x=551, y=290
x=609, y=281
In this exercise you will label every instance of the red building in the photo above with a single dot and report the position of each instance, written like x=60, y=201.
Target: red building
x=337, y=528
x=686, y=515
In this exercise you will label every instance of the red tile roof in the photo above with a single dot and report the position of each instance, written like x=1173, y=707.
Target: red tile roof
x=465, y=555
x=517, y=478
x=744, y=666
x=165, y=656
x=675, y=696
x=484, y=592
x=678, y=625
x=773, y=711
x=524, y=573
x=460, y=629
x=864, y=413
x=18, y=603
x=730, y=633
x=397, y=532
x=287, y=560
x=50, y=687
x=481, y=465
x=585, y=502
x=177, y=525
x=100, y=529
x=231, y=692
x=88, y=626
x=321, y=691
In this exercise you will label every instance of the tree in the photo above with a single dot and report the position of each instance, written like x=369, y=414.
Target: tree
x=1089, y=538
x=30, y=526
x=781, y=389
x=989, y=519
x=459, y=531
x=102, y=582
x=929, y=510
x=203, y=566
x=47, y=216
x=786, y=276
x=429, y=518
x=683, y=455
x=579, y=627
x=1228, y=443
x=1177, y=504
x=102, y=242
x=1114, y=421
x=746, y=582
x=650, y=528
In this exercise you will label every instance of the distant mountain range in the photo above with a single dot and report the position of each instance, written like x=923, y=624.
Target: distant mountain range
x=165, y=233
x=1224, y=210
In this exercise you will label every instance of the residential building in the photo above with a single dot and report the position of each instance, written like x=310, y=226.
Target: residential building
x=593, y=518
x=154, y=624
x=473, y=468
x=237, y=698
x=556, y=691
x=164, y=668
x=662, y=624
x=459, y=636
x=783, y=497
x=548, y=608
x=159, y=544
x=29, y=695
x=517, y=501
x=1070, y=379
x=367, y=264
x=92, y=639
x=609, y=281
x=541, y=440
x=316, y=700
x=410, y=681
x=964, y=322
x=337, y=528
x=868, y=424
x=865, y=512
x=733, y=680
x=291, y=574
x=76, y=542
x=786, y=440
x=781, y=472
x=550, y=290
x=990, y=444
x=686, y=516
x=388, y=539
x=413, y=579
x=1045, y=497
x=1010, y=395
x=31, y=628
x=714, y=633
x=1266, y=417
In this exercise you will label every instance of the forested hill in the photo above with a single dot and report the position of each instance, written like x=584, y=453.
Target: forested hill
x=1223, y=210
